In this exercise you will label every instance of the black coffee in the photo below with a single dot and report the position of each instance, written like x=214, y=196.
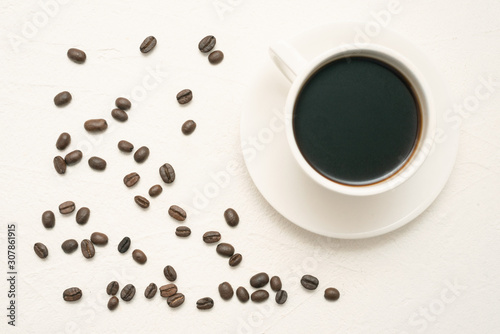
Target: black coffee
x=356, y=120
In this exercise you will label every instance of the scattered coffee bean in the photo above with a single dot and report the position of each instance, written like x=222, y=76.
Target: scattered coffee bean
x=170, y=273
x=73, y=157
x=72, y=294
x=99, y=239
x=95, y=125
x=139, y=256
x=231, y=217
x=259, y=280
x=59, y=165
x=309, y=282
x=63, y=141
x=225, y=249
x=123, y=103
x=131, y=179
x=188, y=127
x=48, y=219
x=332, y=294
x=175, y=300
x=235, y=260
x=207, y=44
x=226, y=291
x=183, y=231
x=205, y=303
x=167, y=173
x=142, y=202
x=97, y=163
x=69, y=246
x=124, y=245
x=113, y=303
x=125, y=146
x=150, y=291
x=242, y=294
x=83, y=215
x=211, y=237
x=281, y=297
x=148, y=44
x=128, y=292
x=177, y=213
x=216, y=57
x=155, y=190
x=168, y=290
x=276, y=283
x=67, y=207
x=112, y=288
x=141, y=154
x=62, y=99
x=184, y=96
x=87, y=248
x=259, y=296
x=76, y=55
x=119, y=115
x=41, y=250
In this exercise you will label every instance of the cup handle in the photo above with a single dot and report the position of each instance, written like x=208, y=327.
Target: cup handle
x=288, y=59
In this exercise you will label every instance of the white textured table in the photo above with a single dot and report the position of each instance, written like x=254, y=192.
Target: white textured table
x=438, y=274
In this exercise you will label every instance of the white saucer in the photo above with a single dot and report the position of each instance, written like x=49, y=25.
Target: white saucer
x=302, y=201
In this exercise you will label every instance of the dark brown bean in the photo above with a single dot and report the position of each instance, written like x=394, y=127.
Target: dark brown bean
x=48, y=219
x=184, y=96
x=148, y=44
x=170, y=273
x=281, y=297
x=141, y=154
x=139, y=256
x=63, y=141
x=155, y=190
x=226, y=291
x=168, y=290
x=242, y=294
x=83, y=215
x=150, y=291
x=41, y=250
x=175, y=300
x=99, y=239
x=211, y=237
x=59, y=165
x=142, y=202
x=123, y=103
x=113, y=303
x=231, y=217
x=183, y=231
x=205, y=303
x=112, y=288
x=69, y=246
x=207, y=44
x=276, y=283
x=124, y=245
x=235, y=260
x=73, y=157
x=125, y=146
x=131, y=179
x=67, y=207
x=188, y=127
x=72, y=294
x=97, y=163
x=259, y=280
x=87, y=248
x=216, y=57
x=95, y=125
x=309, y=282
x=62, y=99
x=128, y=292
x=119, y=115
x=225, y=249
x=77, y=55
x=259, y=296
x=177, y=213
x=167, y=173
x=332, y=294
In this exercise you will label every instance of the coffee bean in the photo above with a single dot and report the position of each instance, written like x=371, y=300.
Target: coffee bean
x=167, y=173
x=72, y=294
x=177, y=213
x=184, y=96
x=125, y=146
x=124, y=245
x=99, y=239
x=235, y=260
x=69, y=246
x=225, y=249
x=205, y=303
x=259, y=280
x=148, y=44
x=112, y=288
x=123, y=103
x=59, y=165
x=128, y=292
x=48, y=219
x=170, y=273
x=207, y=44
x=150, y=291
x=275, y=283
x=242, y=294
x=211, y=237
x=188, y=127
x=231, y=217
x=309, y=282
x=139, y=256
x=83, y=215
x=281, y=297
x=155, y=190
x=142, y=202
x=63, y=141
x=62, y=99
x=131, y=179
x=183, y=231
x=76, y=55
x=226, y=291
x=113, y=303
x=87, y=248
x=67, y=207
x=216, y=57
x=141, y=154
x=97, y=163
x=119, y=115
x=95, y=125
x=332, y=294
x=41, y=250
x=259, y=296
x=73, y=157
x=175, y=300
x=168, y=290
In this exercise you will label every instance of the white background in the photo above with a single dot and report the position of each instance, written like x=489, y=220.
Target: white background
x=439, y=274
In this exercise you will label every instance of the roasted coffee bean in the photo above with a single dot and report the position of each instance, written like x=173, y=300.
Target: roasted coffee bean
x=155, y=190
x=72, y=294
x=332, y=294
x=170, y=273
x=183, y=231
x=97, y=163
x=62, y=99
x=205, y=303
x=73, y=157
x=148, y=44
x=119, y=115
x=281, y=297
x=225, y=249
x=124, y=245
x=211, y=237
x=175, y=300
x=216, y=57
x=95, y=125
x=207, y=44
x=141, y=154
x=76, y=55
x=48, y=219
x=231, y=217
x=226, y=291
x=275, y=283
x=112, y=288
x=125, y=146
x=59, y=165
x=83, y=215
x=99, y=239
x=113, y=303
x=63, y=141
x=87, y=248
x=142, y=202
x=41, y=250
x=131, y=179
x=150, y=291
x=235, y=260
x=259, y=280
x=259, y=296
x=309, y=282
x=167, y=173
x=67, y=207
x=188, y=127
x=139, y=256
x=177, y=213
x=168, y=290
x=184, y=96
x=69, y=246
x=123, y=103
x=242, y=294
x=128, y=292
